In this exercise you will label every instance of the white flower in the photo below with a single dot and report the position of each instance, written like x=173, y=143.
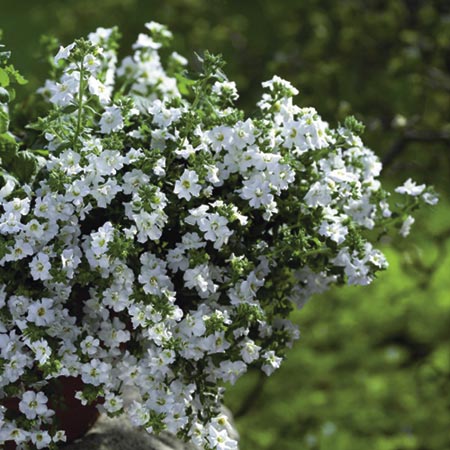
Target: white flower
x=318, y=195
x=89, y=345
x=41, y=312
x=179, y=58
x=40, y=267
x=63, y=52
x=430, y=198
x=226, y=89
x=97, y=88
x=159, y=169
x=276, y=82
x=7, y=189
x=145, y=41
x=271, y=362
x=410, y=188
x=111, y=120
x=219, y=440
x=220, y=137
x=257, y=191
x=95, y=372
x=41, y=350
x=64, y=92
x=214, y=227
x=112, y=403
x=187, y=186
x=406, y=226
x=100, y=34
x=199, y=278
x=33, y=404
x=250, y=351
x=41, y=439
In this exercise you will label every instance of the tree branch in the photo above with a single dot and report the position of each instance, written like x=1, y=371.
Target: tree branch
x=409, y=137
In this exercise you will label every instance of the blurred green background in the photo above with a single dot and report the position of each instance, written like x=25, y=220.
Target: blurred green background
x=372, y=370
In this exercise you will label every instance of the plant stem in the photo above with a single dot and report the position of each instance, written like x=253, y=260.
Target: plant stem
x=80, y=105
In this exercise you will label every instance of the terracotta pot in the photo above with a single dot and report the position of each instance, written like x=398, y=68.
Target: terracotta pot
x=70, y=415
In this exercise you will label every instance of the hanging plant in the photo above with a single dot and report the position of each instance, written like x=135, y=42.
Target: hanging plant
x=153, y=236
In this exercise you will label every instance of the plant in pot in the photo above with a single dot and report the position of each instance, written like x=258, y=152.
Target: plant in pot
x=154, y=237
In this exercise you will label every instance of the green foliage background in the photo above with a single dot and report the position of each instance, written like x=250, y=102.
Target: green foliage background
x=372, y=370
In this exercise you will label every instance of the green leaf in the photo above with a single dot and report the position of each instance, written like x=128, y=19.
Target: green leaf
x=8, y=148
x=12, y=94
x=4, y=119
x=25, y=165
x=40, y=152
x=69, y=109
x=4, y=78
x=15, y=75
x=64, y=146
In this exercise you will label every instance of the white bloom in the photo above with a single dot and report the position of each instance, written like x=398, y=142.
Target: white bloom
x=257, y=191
x=111, y=120
x=145, y=41
x=230, y=371
x=100, y=34
x=159, y=169
x=179, y=59
x=187, y=186
x=95, y=372
x=271, y=362
x=410, y=188
x=199, y=278
x=64, y=92
x=97, y=88
x=41, y=312
x=112, y=403
x=64, y=52
x=220, y=137
x=41, y=439
x=41, y=350
x=226, y=89
x=318, y=195
x=40, y=267
x=219, y=440
x=430, y=198
x=33, y=404
x=214, y=227
x=89, y=345
x=250, y=351
x=7, y=189
x=406, y=226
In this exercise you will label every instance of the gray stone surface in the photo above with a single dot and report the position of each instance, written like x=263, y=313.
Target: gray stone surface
x=119, y=434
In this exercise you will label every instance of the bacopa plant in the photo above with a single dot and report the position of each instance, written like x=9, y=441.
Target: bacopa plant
x=154, y=237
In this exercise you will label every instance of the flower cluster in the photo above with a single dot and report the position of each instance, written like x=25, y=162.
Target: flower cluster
x=164, y=237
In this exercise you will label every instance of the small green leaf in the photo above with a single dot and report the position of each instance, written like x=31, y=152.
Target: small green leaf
x=4, y=119
x=4, y=78
x=64, y=146
x=15, y=75
x=12, y=94
x=40, y=152
x=69, y=109
x=20, y=79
